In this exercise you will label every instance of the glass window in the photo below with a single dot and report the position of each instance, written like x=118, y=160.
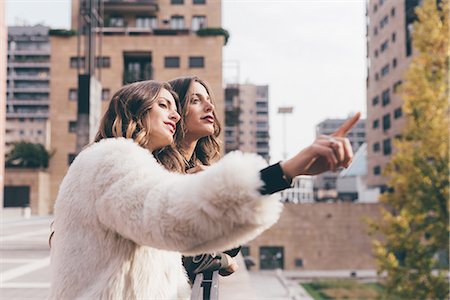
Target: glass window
x=393, y=12
x=116, y=21
x=386, y=98
x=375, y=100
x=105, y=94
x=398, y=113
x=147, y=22
x=198, y=22
x=177, y=22
x=73, y=94
x=385, y=70
x=74, y=62
x=103, y=62
x=176, y=2
x=375, y=124
x=199, y=1
x=376, y=147
x=394, y=63
x=72, y=126
x=376, y=170
x=196, y=62
x=394, y=36
x=387, y=146
x=386, y=122
x=384, y=46
x=172, y=61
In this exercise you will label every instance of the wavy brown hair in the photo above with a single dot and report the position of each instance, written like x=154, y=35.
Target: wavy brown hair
x=207, y=148
x=128, y=110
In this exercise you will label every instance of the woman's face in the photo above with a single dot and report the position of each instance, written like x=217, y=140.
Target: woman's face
x=161, y=120
x=199, y=119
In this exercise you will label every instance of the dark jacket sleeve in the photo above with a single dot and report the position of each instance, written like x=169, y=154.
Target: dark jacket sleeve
x=274, y=180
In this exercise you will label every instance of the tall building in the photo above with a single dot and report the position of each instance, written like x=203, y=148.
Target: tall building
x=247, y=118
x=389, y=52
x=301, y=192
x=325, y=184
x=142, y=39
x=3, y=47
x=28, y=85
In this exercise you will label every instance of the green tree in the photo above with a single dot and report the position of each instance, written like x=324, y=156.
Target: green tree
x=27, y=155
x=415, y=220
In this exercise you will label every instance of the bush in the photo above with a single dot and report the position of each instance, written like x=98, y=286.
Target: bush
x=27, y=155
x=211, y=31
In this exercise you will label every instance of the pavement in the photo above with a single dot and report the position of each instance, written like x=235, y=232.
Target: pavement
x=25, y=266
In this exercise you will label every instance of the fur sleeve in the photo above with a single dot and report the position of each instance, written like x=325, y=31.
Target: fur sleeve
x=214, y=210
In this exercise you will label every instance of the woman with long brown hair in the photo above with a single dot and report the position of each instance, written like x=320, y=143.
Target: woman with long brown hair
x=196, y=147
x=122, y=220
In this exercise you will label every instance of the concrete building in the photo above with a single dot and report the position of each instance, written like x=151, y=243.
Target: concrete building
x=301, y=192
x=351, y=184
x=3, y=49
x=325, y=184
x=247, y=118
x=145, y=39
x=28, y=85
x=389, y=52
x=319, y=236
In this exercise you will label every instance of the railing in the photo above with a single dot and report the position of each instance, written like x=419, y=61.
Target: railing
x=206, y=286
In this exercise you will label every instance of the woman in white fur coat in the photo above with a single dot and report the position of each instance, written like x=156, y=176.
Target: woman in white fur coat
x=122, y=220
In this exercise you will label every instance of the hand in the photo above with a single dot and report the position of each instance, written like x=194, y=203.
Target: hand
x=326, y=153
x=230, y=268
x=197, y=169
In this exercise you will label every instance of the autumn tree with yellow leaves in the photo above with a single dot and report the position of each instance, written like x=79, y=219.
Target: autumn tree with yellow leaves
x=414, y=248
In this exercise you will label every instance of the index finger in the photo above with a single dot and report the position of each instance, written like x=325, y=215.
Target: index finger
x=347, y=126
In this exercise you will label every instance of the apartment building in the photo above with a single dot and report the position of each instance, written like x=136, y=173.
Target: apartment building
x=389, y=52
x=27, y=85
x=3, y=49
x=325, y=184
x=142, y=39
x=247, y=118
x=301, y=192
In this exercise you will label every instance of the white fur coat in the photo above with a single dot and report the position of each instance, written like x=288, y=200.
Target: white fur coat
x=122, y=221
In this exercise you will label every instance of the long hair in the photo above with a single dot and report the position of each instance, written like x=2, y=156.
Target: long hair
x=128, y=110
x=207, y=148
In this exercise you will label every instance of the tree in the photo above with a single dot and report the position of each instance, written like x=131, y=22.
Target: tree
x=415, y=220
x=27, y=155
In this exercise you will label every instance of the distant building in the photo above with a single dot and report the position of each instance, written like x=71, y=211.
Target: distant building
x=3, y=47
x=301, y=191
x=351, y=184
x=247, y=118
x=325, y=184
x=28, y=85
x=389, y=53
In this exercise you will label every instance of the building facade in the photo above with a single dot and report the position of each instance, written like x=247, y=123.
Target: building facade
x=301, y=192
x=3, y=49
x=247, y=118
x=28, y=85
x=145, y=39
x=325, y=184
x=389, y=52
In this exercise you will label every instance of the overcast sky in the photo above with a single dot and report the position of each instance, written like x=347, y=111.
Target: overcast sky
x=311, y=53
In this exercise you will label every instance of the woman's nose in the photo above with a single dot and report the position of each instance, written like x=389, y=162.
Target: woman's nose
x=209, y=106
x=175, y=116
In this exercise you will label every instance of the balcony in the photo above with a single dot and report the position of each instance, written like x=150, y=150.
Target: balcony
x=29, y=65
x=16, y=102
x=27, y=114
x=130, y=6
x=31, y=76
x=29, y=89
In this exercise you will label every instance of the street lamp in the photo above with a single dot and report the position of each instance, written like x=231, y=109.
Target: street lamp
x=284, y=110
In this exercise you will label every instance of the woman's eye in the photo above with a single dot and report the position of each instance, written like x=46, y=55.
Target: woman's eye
x=163, y=105
x=195, y=100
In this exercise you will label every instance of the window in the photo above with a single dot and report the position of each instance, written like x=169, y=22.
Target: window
x=375, y=8
x=245, y=250
x=384, y=46
x=72, y=126
x=271, y=258
x=376, y=53
x=398, y=113
x=147, y=22
x=196, y=62
x=116, y=21
x=384, y=21
x=199, y=1
x=377, y=76
x=375, y=30
x=261, y=124
x=387, y=146
x=394, y=63
x=198, y=22
x=70, y=158
x=375, y=100
x=386, y=98
x=172, y=61
x=74, y=62
x=376, y=170
x=102, y=62
x=73, y=94
x=386, y=122
x=39, y=132
x=360, y=134
x=176, y=2
x=397, y=86
x=385, y=70
x=177, y=22
x=376, y=147
x=299, y=261
x=105, y=94
x=375, y=124
x=393, y=37
x=393, y=12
